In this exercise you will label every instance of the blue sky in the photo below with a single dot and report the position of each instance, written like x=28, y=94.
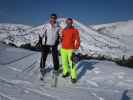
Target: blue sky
x=36, y=12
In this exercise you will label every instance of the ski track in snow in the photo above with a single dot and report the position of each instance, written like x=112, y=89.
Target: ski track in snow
x=97, y=80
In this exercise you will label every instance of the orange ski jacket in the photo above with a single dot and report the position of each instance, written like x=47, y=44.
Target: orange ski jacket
x=70, y=38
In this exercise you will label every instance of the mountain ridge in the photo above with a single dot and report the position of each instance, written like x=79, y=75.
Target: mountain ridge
x=92, y=40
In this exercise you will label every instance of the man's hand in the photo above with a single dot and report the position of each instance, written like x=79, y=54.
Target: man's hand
x=38, y=45
x=75, y=50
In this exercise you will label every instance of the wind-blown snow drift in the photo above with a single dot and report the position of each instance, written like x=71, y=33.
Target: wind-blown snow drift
x=93, y=42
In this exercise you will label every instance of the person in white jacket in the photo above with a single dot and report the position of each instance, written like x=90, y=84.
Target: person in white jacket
x=49, y=40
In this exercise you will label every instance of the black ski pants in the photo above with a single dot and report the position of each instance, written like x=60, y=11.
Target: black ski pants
x=44, y=54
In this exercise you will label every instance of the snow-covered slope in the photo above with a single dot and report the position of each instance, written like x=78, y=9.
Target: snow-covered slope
x=97, y=80
x=93, y=42
x=13, y=33
x=122, y=31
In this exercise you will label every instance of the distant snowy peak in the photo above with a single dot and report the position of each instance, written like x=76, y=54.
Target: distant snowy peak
x=122, y=31
x=13, y=27
x=122, y=27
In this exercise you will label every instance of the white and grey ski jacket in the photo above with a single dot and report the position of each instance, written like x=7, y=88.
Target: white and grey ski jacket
x=49, y=35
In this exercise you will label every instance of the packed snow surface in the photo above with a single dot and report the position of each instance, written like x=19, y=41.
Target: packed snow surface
x=97, y=80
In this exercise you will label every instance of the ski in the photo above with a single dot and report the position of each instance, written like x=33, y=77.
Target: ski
x=54, y=79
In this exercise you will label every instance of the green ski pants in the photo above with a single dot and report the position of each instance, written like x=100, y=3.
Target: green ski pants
x=68, y=65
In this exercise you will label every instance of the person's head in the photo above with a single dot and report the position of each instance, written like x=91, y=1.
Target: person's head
x=53, y=18
x=69, y=22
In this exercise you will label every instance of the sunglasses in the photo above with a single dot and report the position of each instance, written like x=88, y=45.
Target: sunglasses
x=53, y=17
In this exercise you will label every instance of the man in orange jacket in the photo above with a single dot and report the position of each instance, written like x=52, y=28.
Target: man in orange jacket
x=70, y=43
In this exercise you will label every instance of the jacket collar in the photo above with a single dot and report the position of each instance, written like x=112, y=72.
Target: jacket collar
x=56, y=25
x=69, y=27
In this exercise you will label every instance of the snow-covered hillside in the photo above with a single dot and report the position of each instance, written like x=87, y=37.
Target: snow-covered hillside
x=122, y=31
x=13, y=33
x=93, y=41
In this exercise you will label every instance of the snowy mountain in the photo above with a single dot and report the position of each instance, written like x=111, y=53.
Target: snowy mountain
x=13, y=33
x=121, y=31
x=93, y=41
x=97, y=80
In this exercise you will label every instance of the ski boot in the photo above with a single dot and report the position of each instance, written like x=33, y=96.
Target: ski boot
x=43, y=72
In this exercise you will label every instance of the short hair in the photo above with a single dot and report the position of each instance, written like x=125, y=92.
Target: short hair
x=70, y=19
x=53, y=15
